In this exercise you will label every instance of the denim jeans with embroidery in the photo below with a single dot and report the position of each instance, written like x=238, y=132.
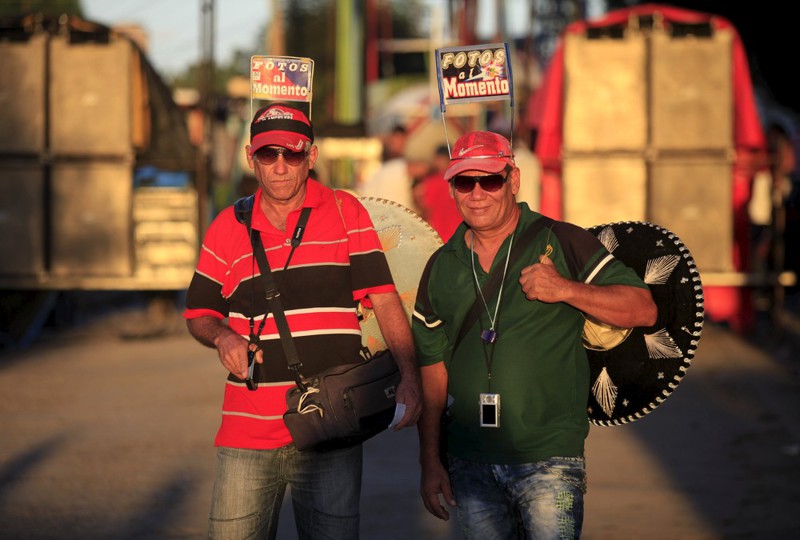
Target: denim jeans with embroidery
x=542, y=500
x=250, y=484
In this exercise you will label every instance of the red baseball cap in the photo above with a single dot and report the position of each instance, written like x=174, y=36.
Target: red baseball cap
x=479, y=151
x=280, y=124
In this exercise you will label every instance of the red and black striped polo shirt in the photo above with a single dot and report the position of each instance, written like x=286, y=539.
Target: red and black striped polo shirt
x=338, y=263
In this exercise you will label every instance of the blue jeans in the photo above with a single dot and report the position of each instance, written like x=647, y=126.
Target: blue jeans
x=250, y=484
x=541, y=500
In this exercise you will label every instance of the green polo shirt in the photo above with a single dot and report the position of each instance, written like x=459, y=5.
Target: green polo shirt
x=538, y=364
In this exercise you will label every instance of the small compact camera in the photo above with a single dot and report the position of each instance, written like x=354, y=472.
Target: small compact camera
x=490, y=410
x=251, y=365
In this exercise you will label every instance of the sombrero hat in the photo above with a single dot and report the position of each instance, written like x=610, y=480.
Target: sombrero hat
x=408, y=241
x=634, y=370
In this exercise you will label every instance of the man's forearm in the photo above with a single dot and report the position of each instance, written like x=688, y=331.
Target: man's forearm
x=617, y=305
x=208, y=330
x=396, y=331
x=434, y=400
x=230, y=346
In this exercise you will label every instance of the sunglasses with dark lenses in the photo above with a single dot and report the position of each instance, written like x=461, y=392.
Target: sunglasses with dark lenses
x=488, y=182
x=269, y=155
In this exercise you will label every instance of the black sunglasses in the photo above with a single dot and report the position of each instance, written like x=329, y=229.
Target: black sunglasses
x=488, y=182
x=269, y=155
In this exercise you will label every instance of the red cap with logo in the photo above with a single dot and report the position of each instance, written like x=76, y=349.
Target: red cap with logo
x=479, y=151
x=280, y=124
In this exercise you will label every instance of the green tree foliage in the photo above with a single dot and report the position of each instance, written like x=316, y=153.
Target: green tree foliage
x=237, y=65
x=13, y=8
x=309, y=30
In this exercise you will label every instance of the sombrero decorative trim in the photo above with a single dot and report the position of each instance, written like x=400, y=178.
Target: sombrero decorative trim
x=638, y=373
x=408, y=241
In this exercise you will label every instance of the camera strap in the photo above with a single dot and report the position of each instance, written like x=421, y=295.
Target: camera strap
x=271, y=291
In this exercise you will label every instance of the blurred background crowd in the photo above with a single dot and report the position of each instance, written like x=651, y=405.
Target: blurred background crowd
x=88, y=117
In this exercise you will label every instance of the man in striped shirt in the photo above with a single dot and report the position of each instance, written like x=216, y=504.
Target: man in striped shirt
x=338, y=264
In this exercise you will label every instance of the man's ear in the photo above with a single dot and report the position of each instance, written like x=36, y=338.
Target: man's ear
x=313, y=154
x=515, y=180
x=248, y=156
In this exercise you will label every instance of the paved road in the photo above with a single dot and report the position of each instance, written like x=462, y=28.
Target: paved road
x=103, y=438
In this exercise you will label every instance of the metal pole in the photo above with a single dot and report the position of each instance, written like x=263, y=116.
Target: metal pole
x=206, y=103
x=276, y=42
x=349, y=80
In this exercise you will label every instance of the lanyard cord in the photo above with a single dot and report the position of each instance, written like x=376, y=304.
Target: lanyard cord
x=492, y=320
x=492, y=336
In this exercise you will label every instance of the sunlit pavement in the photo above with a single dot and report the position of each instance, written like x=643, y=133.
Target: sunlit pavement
x=108, y=438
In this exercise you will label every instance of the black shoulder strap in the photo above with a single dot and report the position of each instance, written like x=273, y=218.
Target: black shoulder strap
x=494, y=280
x=274, y=298
x=243, y=209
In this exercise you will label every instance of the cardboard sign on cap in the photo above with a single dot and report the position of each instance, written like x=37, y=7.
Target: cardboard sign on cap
x=474, y=73
x=281, y=78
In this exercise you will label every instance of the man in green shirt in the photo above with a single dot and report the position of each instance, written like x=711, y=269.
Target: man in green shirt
x=515, y=383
